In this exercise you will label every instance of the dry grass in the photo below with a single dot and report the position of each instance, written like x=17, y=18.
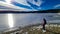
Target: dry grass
x=50, y=30
x=32, y=30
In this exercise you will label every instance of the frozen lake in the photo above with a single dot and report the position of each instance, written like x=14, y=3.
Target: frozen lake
x=27, y=19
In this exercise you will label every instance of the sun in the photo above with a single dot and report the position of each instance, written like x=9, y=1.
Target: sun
x=8, y=1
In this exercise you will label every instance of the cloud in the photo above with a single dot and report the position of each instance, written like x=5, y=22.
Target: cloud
x=12, y=6
x=8, y=1
x=31, y=3
x=7, y=5
x=35, y=6
x=38, y=3
x=22, y=2
x=58, y=5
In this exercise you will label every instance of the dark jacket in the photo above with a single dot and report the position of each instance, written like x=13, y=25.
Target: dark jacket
x=44, y=21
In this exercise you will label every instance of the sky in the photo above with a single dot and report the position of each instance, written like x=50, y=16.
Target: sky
x=31, y=4
x=51, y=4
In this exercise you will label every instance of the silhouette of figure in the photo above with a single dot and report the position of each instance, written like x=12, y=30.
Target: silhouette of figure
x=17, y=33
x=44, y=23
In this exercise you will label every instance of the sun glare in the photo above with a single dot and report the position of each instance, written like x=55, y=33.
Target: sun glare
x=8, y=1
x=10, y=20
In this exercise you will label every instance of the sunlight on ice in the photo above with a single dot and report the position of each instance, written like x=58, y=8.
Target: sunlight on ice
x=10, y=20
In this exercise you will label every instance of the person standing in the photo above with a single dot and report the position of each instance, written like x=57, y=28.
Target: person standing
x=44, y=23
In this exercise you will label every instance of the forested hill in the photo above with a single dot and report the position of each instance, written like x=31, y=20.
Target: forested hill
x=40, y=11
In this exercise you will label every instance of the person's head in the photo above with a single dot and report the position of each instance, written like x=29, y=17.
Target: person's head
x=17, y=33
x=44, y=19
